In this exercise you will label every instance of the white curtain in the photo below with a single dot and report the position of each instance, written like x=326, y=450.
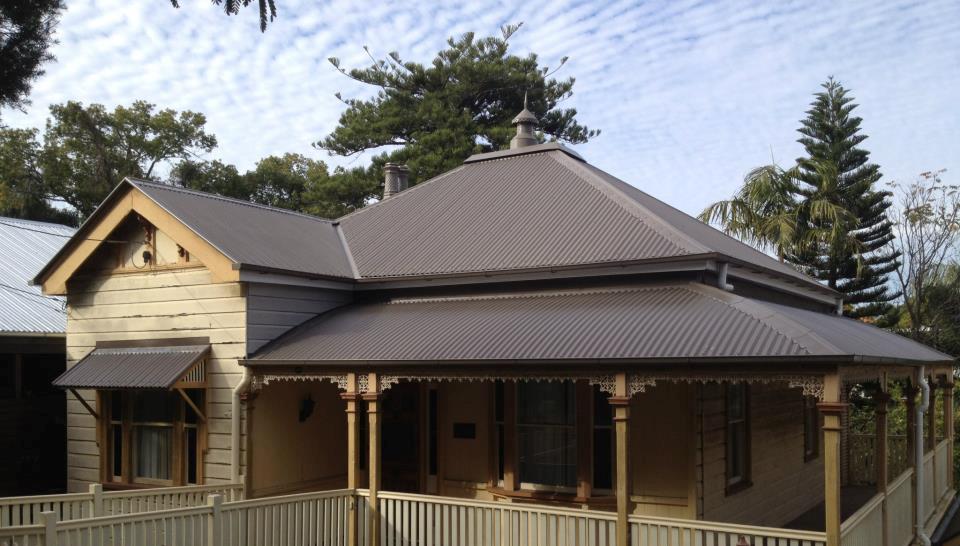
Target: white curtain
x=154, y=449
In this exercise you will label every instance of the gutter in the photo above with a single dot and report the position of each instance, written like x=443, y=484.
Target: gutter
x=920, y=537
x=238, y=392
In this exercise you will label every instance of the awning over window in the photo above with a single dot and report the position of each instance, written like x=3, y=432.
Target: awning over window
x=138, y=368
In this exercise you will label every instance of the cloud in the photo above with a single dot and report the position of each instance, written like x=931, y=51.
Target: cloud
x=689, y=95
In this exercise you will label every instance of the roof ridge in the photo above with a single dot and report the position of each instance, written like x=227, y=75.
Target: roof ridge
x=13, y=220
x=407, y=191
x=533, y=294
x=750, y=307
x=188, y=191
x=642, y=213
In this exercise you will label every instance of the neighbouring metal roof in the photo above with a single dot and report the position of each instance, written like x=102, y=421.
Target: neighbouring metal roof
x=535, y=207
x=688, y=321
x=132, y=367
x=256, y=235
x=25, y=246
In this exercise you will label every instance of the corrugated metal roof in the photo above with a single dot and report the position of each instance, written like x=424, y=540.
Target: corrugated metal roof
x=132, y=367
x=520, y=212
x=25, y=247
x=678, y=321
x=256, y=235
x=534, y=207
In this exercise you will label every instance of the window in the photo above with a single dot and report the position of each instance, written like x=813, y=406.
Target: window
x=811, y=429
x=154, y=432
x=738, y=437
x=546, y=434
x=603, y=440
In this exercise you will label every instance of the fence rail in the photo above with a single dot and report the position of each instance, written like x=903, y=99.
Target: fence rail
x=863, y=455
x=20, y=511
x=656, y=531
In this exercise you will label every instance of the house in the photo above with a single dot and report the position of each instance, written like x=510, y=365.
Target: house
x=525, y=329
x=32, y=341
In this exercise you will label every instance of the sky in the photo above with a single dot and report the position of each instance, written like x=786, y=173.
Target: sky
x=689, y=95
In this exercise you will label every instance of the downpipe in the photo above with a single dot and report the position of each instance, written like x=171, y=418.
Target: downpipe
x=920, y=537
x=238, y=392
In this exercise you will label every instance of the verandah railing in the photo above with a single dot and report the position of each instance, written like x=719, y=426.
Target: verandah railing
x=866, y=526
x=17, y=511
x=321, y=518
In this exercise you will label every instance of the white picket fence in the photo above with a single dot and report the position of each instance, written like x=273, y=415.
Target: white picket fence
x=655, y=531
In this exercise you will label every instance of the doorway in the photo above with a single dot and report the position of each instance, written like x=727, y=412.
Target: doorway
x=400, y=443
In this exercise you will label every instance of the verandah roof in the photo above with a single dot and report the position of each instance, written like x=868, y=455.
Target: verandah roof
x=678, y=321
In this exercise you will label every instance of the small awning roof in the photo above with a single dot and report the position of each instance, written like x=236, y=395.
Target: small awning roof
x=647, y=323
x=136, y=368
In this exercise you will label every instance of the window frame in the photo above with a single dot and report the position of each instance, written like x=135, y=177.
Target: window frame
x=735, y=484
x=181, y=427
x=571, y=426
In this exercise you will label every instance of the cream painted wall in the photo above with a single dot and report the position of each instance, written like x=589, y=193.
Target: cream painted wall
x=153, y=305
x=465, y=463
x=784, y=486
x=289, y=455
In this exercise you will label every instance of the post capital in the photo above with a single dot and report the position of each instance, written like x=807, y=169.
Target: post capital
x=832, y=408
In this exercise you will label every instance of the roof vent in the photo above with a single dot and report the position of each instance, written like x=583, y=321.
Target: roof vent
x=396, y=178
x=526, y=124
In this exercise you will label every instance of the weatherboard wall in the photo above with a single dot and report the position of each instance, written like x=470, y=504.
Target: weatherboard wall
x=154, y=305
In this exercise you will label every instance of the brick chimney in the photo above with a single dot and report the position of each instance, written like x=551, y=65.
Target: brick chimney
x=395, y=179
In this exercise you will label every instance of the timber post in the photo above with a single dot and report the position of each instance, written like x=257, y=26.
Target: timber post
x=881, y=401
x=49, y=522
x=214, y=534
x=832, y=409
x=372, y=398
x=910, y=400
x=96, y=499
x=351, y=397
x=621, y=420
x=948, y=424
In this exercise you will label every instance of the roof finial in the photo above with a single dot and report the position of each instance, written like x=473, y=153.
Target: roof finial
x=526, y=124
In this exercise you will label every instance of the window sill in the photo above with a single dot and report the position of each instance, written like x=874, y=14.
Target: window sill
x=549, y=496
x=735, y=488
x=123, y=486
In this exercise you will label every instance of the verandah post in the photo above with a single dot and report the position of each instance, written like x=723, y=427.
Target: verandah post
x=910, y=400
x=881, y=400
x=353, y=457
x=372, y=398
x=621, y=419
x=832, y=408
x=948, y=424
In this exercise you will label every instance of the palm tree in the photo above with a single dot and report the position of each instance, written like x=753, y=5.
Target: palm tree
x=771, y=213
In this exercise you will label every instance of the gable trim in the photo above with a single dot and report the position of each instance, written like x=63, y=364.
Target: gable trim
x=125, y=199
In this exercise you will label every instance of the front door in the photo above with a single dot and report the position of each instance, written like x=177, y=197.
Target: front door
x=400, y=447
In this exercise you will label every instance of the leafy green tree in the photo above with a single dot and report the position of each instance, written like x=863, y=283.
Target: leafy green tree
x=22, y=190
x=211, y=177
x=268, y=9
x=436, y=115
x=836, y=170
x=766, y=212
x=290, y=181
x=342, y=192
x=26, y=34
x=89, y=150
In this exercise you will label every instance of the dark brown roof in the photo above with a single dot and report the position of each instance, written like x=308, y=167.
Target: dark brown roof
x=132, y=367
x=535, y=207
x=662, y=322
x=256, y=235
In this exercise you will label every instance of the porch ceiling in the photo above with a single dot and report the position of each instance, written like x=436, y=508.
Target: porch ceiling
x=679, y=321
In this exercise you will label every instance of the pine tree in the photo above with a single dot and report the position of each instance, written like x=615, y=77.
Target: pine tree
x=837, y=171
